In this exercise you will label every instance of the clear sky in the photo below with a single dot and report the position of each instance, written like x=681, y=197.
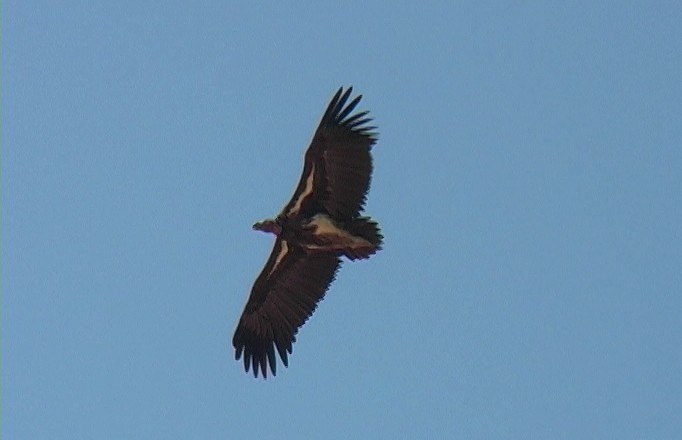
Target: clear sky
x=528, y=180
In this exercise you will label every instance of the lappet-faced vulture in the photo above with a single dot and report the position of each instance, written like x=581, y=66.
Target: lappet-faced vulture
x=321, y=224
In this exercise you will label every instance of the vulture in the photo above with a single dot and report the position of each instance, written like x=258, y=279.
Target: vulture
x=321, y=224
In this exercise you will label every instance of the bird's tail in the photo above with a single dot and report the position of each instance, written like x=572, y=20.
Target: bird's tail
x=367, y=229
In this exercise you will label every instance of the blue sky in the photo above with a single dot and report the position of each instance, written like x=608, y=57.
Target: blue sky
x=527, y=179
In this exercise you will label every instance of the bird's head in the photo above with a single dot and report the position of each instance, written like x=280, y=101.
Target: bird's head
x=269, y=225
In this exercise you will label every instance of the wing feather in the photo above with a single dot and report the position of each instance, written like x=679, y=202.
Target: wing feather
x=283, y=297
x=338, y=164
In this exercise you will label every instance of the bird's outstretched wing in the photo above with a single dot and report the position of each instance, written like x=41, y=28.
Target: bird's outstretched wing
x=283, y=297
x=338, y=164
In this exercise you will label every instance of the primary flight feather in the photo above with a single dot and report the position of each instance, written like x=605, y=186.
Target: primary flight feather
x=320, y=224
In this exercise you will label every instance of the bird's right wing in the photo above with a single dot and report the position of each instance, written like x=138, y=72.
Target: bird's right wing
x=283, y=297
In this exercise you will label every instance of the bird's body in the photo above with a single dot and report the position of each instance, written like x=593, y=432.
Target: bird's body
x=321, y=233
x=320, y=224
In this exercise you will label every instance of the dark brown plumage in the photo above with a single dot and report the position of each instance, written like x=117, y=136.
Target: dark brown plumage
x=315, y=229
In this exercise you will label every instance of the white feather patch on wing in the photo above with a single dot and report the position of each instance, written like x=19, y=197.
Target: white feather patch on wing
x=307, y=190
x=283, y=250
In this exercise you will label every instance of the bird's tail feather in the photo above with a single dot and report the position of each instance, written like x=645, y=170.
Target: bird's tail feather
x=368, y=229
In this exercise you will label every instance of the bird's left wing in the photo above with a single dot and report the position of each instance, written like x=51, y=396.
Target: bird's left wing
x=338, y=165
x=283, y=297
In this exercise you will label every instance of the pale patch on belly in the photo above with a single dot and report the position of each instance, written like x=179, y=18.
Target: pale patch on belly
x=336, y=237
x=325, y=226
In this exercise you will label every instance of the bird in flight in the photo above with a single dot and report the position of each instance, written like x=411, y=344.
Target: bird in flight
x=321, y=224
